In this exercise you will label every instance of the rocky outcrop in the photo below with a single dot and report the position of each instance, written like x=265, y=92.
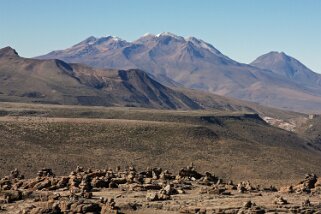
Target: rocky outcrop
x=310, y=184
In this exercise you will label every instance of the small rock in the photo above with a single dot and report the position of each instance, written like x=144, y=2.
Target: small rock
x=306, y=203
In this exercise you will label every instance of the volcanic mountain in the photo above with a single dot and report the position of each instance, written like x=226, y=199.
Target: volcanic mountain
x=290, y=68
x=190, y=62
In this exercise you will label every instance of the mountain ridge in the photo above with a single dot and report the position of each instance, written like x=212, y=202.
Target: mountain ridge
x=195, y=64
x=55, y=81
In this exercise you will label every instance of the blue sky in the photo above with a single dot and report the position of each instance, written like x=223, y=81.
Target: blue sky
x=241, y=29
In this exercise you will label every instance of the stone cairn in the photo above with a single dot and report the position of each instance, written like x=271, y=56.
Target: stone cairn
x=74, y=193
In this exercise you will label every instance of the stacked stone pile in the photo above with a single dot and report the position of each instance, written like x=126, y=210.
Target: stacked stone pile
x=76, y=193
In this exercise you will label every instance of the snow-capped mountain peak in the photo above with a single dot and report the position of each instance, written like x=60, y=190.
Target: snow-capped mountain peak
x=169, y=34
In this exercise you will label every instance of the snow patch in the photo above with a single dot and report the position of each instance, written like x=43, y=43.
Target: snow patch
x=115, y=38
x=148, y=34
x=171, y=35
x=201, y=44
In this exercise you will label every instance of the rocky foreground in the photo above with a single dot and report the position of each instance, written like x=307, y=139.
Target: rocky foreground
x=151, y=191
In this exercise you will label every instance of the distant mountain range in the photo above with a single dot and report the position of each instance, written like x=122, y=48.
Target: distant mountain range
x=57, y=82
x=273, y=79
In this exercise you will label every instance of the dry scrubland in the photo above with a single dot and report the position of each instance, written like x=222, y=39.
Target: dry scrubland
x=235, y=146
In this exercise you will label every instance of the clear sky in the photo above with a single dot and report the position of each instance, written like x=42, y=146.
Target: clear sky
x=241, y=29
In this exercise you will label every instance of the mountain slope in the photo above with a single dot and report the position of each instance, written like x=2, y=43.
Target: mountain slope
x=194, y=64
x=54, y=81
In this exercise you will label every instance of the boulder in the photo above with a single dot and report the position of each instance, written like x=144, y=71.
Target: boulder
x=280, y=200
x=287, y=189
x=16, y=174
x=190, y=173
x=156, y=196
x=45, y=172
x=43, y=184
